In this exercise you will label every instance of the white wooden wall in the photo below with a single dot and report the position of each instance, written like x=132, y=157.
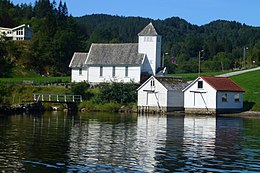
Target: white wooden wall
x=151, y=46
x=156, y=98
x=134, y=74
x=195, y=97
x=75, y=77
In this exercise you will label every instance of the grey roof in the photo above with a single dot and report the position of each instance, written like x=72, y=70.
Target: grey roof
x=172, y=83
x=78, y=59
x=149, y=30
x=114, y=54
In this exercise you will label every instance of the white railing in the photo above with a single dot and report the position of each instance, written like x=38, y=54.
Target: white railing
x=56, y=98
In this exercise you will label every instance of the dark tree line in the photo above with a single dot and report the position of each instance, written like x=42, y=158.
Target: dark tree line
x=56, y=35
x=222, y=41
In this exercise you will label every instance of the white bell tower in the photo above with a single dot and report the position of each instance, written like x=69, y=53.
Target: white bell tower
x=149, y=43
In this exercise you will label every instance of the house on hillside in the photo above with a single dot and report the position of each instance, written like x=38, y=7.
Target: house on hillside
x=209, y=94
x=22, y=32
x=161, y=94
x=124, y=62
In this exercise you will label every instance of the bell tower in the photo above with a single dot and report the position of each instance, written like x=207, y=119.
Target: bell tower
x=149, y=43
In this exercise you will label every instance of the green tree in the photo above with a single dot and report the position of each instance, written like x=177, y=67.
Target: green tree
x=82, y=89
x=118, y=92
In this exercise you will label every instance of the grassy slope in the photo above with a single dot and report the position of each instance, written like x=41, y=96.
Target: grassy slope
x=20, y=75
x=35, y=80
x=250, y=82
x=192, y=76
x=22, y=94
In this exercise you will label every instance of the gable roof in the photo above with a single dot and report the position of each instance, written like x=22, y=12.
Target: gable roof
x=149, y=30
x=114, y=54
x=222, y=83
x=17, y=27
x=218, y=83
x=78, y=59
x=170, y=83
x=22, y=26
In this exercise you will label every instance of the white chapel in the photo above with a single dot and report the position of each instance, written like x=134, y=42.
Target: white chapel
x=123, y=62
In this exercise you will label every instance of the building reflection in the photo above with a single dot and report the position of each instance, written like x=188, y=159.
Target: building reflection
x=169, y=158
x=229, y=132
x=157, y=143
x=126, y=143
x=199, y=143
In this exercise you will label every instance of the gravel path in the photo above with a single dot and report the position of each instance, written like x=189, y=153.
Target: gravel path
x=238, y=72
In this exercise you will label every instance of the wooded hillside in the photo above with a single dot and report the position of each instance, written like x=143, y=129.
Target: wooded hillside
x=56, y=35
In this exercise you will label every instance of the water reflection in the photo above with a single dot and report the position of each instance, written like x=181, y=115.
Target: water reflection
x=58, y=142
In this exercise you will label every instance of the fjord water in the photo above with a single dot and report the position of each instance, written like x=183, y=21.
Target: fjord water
x=101, y=142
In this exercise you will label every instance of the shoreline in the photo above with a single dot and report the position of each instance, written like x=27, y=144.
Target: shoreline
x=245, y=114
x=39, y=108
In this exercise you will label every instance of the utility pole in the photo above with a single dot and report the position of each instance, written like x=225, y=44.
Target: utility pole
x=244, y=57
x=163, y=58
x=199, y=60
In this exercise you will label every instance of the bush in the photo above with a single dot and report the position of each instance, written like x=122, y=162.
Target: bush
x=5, y=91
x=118, y=93
x=110, y=107
x=82, y=89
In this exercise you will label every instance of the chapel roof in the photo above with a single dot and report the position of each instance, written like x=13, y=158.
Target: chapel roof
x=114, y=54
x=222, y=83
x=149, y=30
x=78, y=59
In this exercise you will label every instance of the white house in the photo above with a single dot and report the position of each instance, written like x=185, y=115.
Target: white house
x=124, y=62
x=209, y=94
x=22, y=32
x=161, y=94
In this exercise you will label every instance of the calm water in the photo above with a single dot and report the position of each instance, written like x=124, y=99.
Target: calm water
x=58, y=142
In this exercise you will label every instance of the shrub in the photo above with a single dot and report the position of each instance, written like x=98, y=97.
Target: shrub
x=118, y=92
x=81, y=89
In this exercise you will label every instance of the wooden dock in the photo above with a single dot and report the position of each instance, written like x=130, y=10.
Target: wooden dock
x=57, y=98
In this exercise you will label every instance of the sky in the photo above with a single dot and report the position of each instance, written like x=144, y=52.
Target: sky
x=198, y=12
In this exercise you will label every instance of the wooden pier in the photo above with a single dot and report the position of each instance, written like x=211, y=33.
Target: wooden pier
x=57, y=98
x=70, y=101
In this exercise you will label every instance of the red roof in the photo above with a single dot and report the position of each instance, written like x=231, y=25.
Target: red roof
x=222, y=83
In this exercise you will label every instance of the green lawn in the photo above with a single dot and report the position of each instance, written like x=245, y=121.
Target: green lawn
x=192, y=76
x=20, y=75
x=34, y=80
x=21, y=94
x=250, y=82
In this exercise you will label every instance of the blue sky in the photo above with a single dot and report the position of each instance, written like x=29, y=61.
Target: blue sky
x=197, y=12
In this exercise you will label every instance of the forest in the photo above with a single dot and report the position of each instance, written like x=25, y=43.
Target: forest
x=57, y=35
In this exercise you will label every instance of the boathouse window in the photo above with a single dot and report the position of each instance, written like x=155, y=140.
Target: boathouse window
x=126, y=71
x=224, y=97
x=236, y=98
x=80, y=71
x=152, y=83
x=101, y=71
x=200, y=84
x=114, y=71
